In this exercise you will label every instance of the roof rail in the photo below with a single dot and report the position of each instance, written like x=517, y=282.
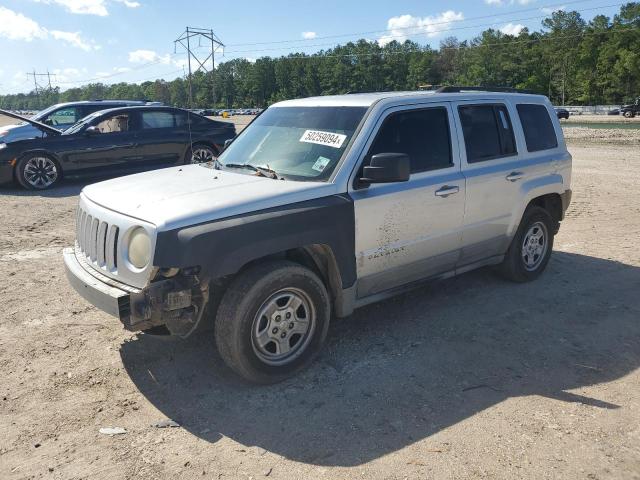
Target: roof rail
x=458, y=89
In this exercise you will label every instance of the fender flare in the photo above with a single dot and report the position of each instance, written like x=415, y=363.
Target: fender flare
x=531, y=189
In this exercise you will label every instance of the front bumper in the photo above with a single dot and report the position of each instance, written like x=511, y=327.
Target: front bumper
x=6, y=174
x=566, y=201
x=107, y=297
x=177, y=303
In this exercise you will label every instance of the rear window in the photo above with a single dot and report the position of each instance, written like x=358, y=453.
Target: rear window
x=538, y=129
x=488, y=133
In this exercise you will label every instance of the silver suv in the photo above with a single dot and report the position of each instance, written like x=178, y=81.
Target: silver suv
x=320, y=206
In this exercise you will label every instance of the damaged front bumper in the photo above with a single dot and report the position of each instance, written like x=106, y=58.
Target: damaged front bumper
x=177, y=302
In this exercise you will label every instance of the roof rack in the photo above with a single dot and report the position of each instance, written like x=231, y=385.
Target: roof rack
x=458, y=89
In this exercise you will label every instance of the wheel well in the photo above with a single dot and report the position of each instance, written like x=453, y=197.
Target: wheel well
x=318, y=258
x=206, y=144
x=552, y=203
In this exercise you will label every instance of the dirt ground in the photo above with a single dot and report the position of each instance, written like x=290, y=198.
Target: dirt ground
x=473, y=377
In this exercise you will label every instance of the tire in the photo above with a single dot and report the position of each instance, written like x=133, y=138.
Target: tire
x=258, y=320
x=527, y=257
x=205, y=153
x=629, y=114
x=38, y=172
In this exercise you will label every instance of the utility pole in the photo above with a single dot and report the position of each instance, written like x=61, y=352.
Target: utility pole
x=186, y=41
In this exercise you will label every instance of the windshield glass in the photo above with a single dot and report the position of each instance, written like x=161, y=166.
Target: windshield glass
x=43, y=113
x=299, y=143
x=78, y=126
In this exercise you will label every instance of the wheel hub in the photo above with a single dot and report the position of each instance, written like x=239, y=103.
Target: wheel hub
x=283, y=327
x=534, y=246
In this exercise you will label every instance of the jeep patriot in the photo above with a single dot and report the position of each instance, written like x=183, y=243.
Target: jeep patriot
x=322, y=205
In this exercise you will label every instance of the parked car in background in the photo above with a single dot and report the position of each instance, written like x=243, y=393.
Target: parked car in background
x=61, y=116
x=112, y=142
x=632, y=109
x=562, y=113
x=615, y=111
x=320, y=206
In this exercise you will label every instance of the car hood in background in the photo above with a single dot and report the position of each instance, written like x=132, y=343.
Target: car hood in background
x=182, y=196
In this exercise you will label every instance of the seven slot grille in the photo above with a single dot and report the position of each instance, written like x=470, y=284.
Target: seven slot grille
x=97, y=240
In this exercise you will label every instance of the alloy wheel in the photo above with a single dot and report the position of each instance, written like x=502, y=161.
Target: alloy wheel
x=40, y=172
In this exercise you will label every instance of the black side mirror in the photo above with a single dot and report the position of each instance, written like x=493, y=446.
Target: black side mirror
x=387, y=168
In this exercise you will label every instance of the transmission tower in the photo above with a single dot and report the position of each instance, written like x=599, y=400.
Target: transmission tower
x=187, y=40
x=36, y=84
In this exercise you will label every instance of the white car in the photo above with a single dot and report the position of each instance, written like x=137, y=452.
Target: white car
x=320, y=206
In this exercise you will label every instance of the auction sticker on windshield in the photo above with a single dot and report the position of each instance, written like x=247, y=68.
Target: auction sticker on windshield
x=329, y=139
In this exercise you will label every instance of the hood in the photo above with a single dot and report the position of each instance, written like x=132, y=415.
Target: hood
x=42, y=126
x=181, y=196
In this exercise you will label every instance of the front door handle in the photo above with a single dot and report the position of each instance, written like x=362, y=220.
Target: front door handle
x=447, y=190
x=515, y=176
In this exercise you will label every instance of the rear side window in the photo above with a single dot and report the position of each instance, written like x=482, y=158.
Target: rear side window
x=421, y=134
x=157, y=120
x=538, y=129
x=487, y=131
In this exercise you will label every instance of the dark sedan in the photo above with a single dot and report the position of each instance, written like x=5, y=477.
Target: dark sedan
x=113, y=142
x=562, y=113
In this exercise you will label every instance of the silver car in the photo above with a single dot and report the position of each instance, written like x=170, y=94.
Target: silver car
x=320, y=206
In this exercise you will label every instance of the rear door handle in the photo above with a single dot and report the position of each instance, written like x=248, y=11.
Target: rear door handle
x=447, y=190
x=515, y=176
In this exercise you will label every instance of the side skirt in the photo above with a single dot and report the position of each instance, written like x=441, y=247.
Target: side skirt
x=350, y=302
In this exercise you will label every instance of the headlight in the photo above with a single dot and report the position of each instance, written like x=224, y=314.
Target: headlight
x=3, y=145
x=139, y=248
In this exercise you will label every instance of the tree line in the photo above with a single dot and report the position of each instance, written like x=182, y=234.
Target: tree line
x=569, y=59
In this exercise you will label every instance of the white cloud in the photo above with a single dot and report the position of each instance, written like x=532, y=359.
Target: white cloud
x=309, y=35
x=402, y=27
x=16, y=26
x=148, y=56
x=512, y=29
x=500, y=3
x=89, y=7
x=549, y=11
x=74, y=39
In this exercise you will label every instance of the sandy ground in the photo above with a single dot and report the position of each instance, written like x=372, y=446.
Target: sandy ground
x=472, y=377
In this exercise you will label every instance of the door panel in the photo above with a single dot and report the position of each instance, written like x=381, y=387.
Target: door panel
x=405, y=231
x=492, y=187
x=160, y=140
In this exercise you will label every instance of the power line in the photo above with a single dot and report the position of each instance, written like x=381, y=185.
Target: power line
x=560, y=5
x=419, y=33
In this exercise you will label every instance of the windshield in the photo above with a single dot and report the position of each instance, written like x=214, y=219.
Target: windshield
x=43, y=113
x=79, y=125
x=299, y=143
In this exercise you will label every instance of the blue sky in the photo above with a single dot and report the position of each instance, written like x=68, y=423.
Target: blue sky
x=132, y=40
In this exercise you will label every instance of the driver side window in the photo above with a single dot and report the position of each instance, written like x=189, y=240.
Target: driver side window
x=114, y=124
x=421, y=134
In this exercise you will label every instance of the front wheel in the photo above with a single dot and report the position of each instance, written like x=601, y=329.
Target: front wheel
x=37, y=172
x=272, y=321
x=629, y=114
x=201, y=154
x=531, y=247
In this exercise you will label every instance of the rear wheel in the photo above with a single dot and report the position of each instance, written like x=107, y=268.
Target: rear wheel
x=38, y=172
x=531, y=247
x=201, y=154
x=629, y=114
x=272, y=321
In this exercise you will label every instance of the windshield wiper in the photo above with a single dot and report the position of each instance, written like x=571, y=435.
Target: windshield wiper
x=264, y=171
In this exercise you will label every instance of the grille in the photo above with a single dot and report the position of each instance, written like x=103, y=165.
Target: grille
x=97, y=240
